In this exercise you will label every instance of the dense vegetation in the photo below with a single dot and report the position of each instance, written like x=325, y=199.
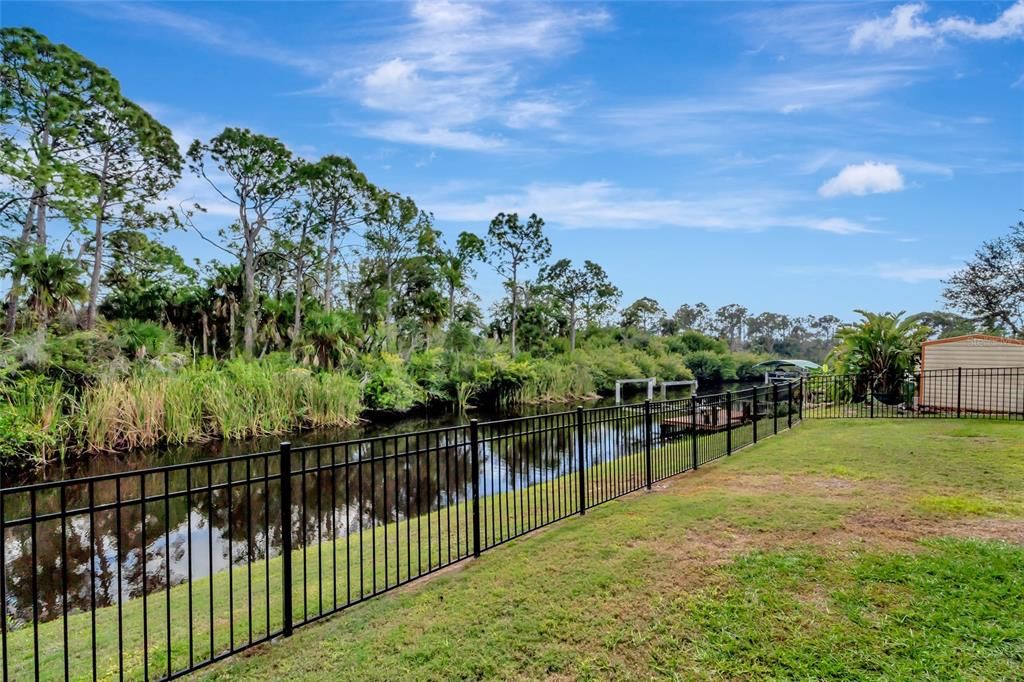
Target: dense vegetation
x=331, y=295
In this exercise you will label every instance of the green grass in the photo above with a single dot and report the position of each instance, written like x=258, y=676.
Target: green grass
x=751, y=569
x=775, y=563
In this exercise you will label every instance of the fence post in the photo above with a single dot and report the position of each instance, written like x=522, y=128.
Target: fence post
x=648, y=438
x=753, y=413
x=789, y=406
x=800, y=405
x=775, y=408
x=286, y=537
x=581, y=466
x=871, y=403
x=474, y=445
x=959, y=383
x=693, y=429
x=728, y=422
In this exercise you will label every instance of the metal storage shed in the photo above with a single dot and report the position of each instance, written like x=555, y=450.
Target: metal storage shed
x=973, y=373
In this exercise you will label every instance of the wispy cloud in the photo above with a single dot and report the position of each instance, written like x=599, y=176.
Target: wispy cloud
x=907, y=23
x=451, y=74
x=606, y=205
x=223, y=36
x=456, y=71
x=905, y=271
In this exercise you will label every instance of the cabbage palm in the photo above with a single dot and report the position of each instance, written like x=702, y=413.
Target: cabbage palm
x=882, y=349
x=53, y=281
x=328, y=337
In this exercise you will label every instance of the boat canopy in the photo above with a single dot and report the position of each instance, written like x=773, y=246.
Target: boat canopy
x=775, y=365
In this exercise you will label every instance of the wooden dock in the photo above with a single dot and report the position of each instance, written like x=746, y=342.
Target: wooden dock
x=708, y=421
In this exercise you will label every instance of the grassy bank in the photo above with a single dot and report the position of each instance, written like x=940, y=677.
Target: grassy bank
x=85, y=393
x=818, y=554
x=835, y=535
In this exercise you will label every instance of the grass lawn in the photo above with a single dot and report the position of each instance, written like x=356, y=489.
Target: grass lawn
x=844, y=549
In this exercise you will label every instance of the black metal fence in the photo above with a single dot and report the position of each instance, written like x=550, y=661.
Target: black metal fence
x=156, y=573
x=995, y=393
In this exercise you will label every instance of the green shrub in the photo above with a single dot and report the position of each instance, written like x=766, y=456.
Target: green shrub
x=387, y=384
x=691, y=341
x=139, y=340
x=711, y=367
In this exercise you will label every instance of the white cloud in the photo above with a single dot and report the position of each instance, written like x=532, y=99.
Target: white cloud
x=534, y=113
x=902, y=24
x=221, y=35
x=433, y=136
x=841, y=226
x=457, y=69
x=906, y=23
x=912, y=273
x=866, y=178
x=605, y=205
x=901, y=271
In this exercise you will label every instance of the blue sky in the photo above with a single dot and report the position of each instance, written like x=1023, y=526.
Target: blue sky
x=807, y=158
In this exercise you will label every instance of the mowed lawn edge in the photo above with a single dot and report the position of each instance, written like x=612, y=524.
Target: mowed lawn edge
x=819, y=553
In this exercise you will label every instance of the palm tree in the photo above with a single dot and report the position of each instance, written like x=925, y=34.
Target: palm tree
x=52, y=280
x=881, y=351
x=328, y=337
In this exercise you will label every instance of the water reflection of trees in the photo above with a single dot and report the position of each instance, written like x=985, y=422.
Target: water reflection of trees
x=200, y=518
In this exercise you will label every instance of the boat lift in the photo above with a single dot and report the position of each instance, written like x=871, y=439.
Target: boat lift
x=651, y=381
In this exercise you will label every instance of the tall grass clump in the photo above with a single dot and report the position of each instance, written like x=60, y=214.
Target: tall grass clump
x=236, y=399
x=554, y=381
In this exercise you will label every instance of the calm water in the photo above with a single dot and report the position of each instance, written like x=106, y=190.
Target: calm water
x=112, y=556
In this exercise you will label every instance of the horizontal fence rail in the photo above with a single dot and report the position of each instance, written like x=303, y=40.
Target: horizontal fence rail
x=966, y=393
x=155, y=573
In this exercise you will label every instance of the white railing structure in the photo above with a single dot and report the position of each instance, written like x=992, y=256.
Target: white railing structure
x=692, y=383
x=650, y=381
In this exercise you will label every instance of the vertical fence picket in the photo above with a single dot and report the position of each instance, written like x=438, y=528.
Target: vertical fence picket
x=474, y=445
x=693, y=432
x=648, y=445
x=285, y=464
x=728, y=422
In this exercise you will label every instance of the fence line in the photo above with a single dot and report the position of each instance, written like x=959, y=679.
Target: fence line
x=156, y=573
x=985, y=393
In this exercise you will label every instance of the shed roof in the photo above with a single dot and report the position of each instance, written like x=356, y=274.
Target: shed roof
x=969, y=337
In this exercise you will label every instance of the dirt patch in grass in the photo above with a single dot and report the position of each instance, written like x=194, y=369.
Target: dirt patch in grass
x=877, y=516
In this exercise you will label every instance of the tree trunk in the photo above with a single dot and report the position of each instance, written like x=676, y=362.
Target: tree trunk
x=329, y=272
x=249, y=290
x=297, y=321
x=451, y=304
x=41, y=202
x=12, y=297
x=203, y=320
x=41, y=307
x=97, y=260
x=572, y=327
x=515, y=302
